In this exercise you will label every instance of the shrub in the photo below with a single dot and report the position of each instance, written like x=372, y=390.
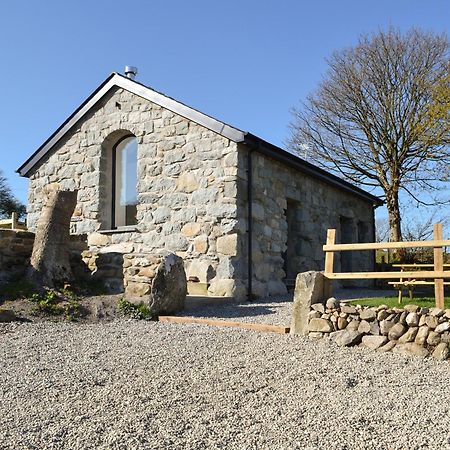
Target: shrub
x=139, y=311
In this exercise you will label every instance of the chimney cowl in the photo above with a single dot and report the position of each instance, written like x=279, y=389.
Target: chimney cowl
x=131, y=72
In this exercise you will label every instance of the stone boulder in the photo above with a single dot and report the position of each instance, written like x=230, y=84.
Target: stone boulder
x=309, y=290
x=411, y=348
x=441, y=352
x=157, y=280
x=346, y=338
x=320, y=325
x=374, y=342
x=7, y=315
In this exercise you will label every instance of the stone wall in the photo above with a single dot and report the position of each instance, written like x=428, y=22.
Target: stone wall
x=408, y=330
x=291, y=214
x=15, y=252
x=186, y=191
x=16, y=247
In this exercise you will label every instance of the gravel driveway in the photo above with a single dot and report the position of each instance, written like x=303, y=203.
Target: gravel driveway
x=148, y=385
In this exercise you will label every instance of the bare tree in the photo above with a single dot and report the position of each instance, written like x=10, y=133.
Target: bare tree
x=381, y=229
x=8, y=203
x=368, y=121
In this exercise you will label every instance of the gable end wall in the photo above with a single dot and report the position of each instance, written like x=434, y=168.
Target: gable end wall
x=186, y=189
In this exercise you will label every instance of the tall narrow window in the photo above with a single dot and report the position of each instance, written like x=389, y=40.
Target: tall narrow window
x=124, y=182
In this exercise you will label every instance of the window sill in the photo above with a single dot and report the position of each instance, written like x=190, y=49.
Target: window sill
x=127, y=229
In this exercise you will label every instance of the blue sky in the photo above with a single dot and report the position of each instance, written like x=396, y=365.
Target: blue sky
x=245, y=62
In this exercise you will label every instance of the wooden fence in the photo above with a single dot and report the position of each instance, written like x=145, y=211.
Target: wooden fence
x=13, y=223
x=438, y=273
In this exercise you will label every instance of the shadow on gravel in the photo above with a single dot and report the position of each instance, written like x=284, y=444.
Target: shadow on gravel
x=264, y=307
x=231, y=312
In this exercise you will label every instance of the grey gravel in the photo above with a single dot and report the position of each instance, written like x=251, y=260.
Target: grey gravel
x=148, y=385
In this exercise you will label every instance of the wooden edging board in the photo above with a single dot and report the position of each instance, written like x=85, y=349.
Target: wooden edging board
x=225, y=323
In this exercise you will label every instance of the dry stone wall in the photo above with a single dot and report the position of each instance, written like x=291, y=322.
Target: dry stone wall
x=186, y=189
x=15, y=252
x=410, y=330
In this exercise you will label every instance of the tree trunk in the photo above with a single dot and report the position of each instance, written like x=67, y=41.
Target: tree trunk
x=49, y=264
x=395, y=228
x=393, y=206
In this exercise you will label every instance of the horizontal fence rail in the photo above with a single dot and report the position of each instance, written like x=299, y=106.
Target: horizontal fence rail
x=407, y=277
x=386, y=245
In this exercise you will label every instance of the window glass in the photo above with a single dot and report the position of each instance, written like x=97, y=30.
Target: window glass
x=125, y=176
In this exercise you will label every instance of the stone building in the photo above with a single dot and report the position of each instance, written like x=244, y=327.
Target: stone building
x=153, y=173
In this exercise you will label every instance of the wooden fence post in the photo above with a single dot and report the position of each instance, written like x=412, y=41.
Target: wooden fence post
x=329, y=263
x=14, y=221
x=438, y=267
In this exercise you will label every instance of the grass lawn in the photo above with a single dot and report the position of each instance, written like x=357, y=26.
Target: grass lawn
x=392, y=301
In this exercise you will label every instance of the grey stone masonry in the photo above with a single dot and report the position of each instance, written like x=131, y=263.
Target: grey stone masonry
x=291, y=214
x=186, y=190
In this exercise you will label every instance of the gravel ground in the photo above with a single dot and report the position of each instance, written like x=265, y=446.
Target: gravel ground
x=148, y=385
x=272, y=311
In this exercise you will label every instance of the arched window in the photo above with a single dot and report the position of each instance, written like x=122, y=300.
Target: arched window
x=124, y=182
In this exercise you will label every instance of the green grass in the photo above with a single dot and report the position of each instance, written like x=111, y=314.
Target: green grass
x=392, y=301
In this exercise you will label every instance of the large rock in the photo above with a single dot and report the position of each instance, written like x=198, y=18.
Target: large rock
x=346, y=338
x=441, y=352
x=396, y=331
x=422, y=335
x=353, y=325
x=320, y=325
x=411, y=348
x=374, y=342
x=368, y=314
x=332, y=303
x=412, y=319
x=385, y=326
x=387, y=347
x=309, y=290
x=431, y=322
x=348, y=309
x=442, y=327
x=164, y=291
x=433, y=338
x=50, y=260
x=225, y=287
x=409, y=336
x=7, y=315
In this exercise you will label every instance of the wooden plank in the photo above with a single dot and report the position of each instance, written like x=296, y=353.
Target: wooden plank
x=383, y=245
x=416, y=265
x=438, y=267
x=406, y=283
x=329, y=262
x=225, y=323
x=388, y=275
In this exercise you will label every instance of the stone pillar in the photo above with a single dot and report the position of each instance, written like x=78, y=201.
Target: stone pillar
x=310, y=288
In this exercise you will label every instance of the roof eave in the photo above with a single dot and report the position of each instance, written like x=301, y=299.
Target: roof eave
x=300, y=164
